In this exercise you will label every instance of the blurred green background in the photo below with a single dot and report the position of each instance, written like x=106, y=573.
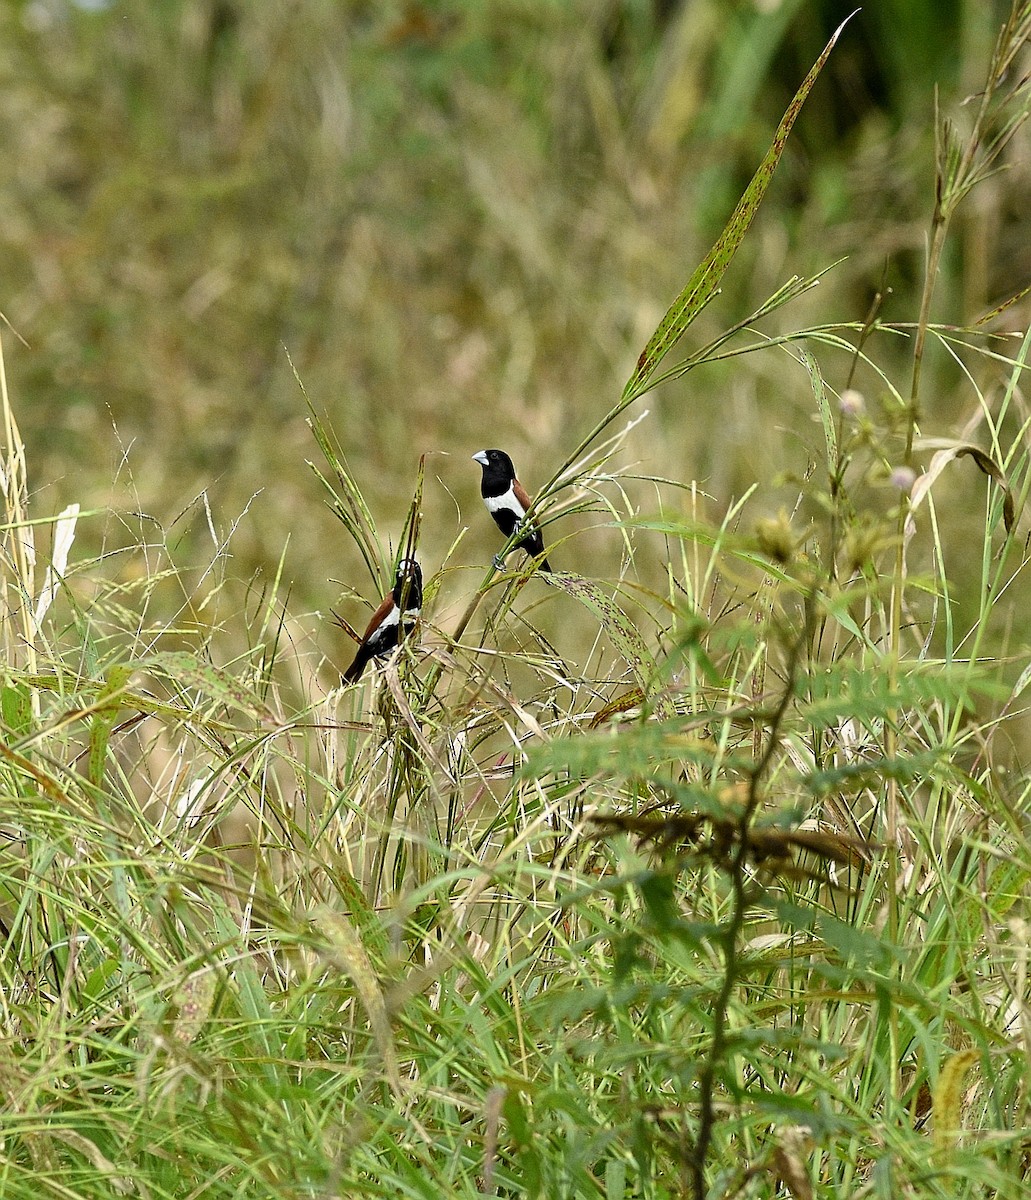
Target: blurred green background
x=462, y=219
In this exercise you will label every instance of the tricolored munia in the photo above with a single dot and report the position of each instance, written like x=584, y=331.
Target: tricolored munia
x=507, y=502
x=392, y=621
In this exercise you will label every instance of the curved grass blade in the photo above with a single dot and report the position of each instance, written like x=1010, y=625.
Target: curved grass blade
x=941, y=459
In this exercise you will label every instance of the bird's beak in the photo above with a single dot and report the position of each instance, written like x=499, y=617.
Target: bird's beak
x=481, y=457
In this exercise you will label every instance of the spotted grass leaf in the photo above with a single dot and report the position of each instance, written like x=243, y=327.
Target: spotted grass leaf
x=702, y=285
x=830, y=433
x=624, y=635
x=187, y=671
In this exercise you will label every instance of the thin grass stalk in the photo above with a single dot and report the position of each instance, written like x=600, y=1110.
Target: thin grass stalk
x=953, y=179
x=20, y=536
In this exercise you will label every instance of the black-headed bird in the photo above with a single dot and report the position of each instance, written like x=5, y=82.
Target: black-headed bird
x=507, y=502
x=393, y=621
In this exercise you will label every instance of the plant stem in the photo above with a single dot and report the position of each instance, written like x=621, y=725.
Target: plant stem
x=742, y=901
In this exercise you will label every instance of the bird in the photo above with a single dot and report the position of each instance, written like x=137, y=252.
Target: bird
x=392, y=621
x=506, y=501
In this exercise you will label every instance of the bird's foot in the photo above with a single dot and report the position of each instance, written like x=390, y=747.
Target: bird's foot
x=499, y=563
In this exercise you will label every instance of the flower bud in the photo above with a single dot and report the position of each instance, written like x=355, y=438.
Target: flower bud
x=851, y=404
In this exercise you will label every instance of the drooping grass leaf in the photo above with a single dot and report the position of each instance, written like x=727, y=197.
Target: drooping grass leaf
x=103, y=722
x=623, y=634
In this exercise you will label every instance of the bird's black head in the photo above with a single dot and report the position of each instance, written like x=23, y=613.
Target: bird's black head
x=408, y=584
x=497, y=471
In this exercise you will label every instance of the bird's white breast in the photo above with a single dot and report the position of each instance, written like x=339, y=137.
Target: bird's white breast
x=507, y=500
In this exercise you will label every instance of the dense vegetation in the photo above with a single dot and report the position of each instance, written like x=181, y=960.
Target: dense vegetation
x=698, y=868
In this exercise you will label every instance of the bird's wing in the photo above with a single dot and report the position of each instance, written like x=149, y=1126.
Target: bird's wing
x=520, y=495
x=378, y=617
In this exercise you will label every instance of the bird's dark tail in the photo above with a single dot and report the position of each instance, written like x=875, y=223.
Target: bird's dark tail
x=544, y=565
x=354, y=671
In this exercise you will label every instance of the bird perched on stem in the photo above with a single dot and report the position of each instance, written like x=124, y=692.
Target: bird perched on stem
x=507, y=502
x=392, y=621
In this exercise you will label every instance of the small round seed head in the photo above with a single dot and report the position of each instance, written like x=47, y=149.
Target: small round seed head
x=902, y=478
x=851, y=404
x=775, y=537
